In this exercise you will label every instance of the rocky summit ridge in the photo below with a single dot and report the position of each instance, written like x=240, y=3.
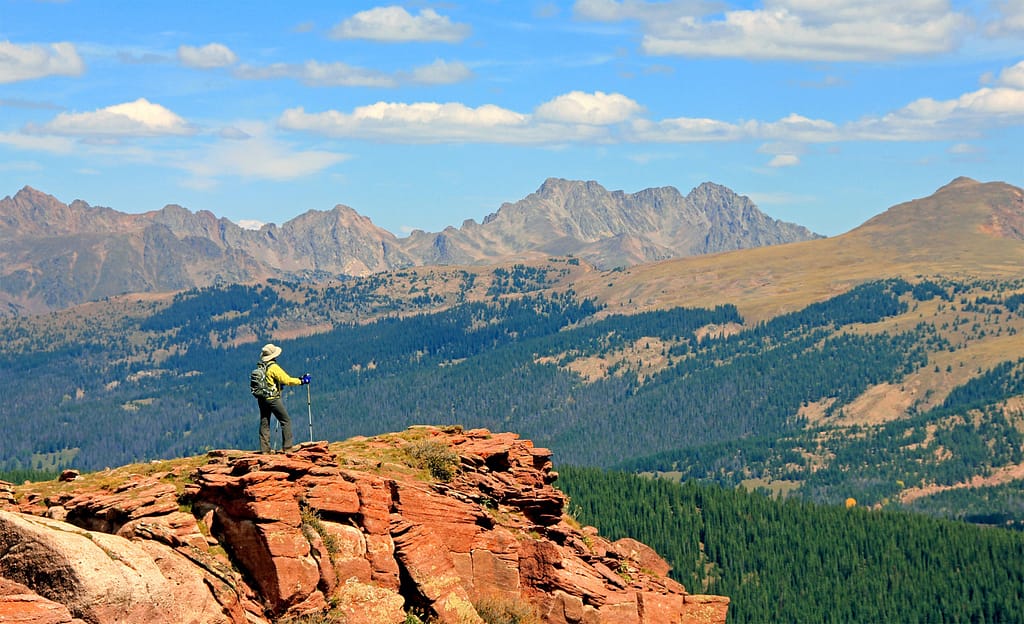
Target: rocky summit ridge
x=440, y=524
x=55, y=255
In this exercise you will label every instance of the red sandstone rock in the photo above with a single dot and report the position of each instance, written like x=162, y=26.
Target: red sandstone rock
x=644, y=556
x=20, y=605
x=309, y=530
x=104, y=578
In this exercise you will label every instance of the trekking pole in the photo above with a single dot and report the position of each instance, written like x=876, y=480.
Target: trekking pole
x=309, y=409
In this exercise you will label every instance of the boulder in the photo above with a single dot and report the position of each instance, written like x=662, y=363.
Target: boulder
x=104, y=578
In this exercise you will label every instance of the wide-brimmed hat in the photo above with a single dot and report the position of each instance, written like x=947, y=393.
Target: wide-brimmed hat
x=269, y=352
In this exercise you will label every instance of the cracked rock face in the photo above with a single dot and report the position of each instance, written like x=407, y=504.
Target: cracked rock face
x=349, y=532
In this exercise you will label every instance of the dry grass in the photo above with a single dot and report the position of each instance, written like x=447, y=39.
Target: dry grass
x=945, y=234
x=175, y=471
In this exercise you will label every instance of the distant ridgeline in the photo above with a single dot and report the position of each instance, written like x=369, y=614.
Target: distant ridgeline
x=687, y=391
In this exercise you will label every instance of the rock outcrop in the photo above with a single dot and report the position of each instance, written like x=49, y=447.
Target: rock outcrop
x=445, y=525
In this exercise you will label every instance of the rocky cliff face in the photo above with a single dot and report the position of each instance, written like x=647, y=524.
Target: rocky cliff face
x=446, y=525
x=55, y=255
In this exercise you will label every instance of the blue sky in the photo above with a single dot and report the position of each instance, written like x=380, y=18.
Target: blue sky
x=424, y=114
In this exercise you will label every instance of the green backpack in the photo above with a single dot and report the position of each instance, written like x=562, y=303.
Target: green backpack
x=259, y=382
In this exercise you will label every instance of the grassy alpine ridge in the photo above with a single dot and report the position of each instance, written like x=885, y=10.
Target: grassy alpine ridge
x=795, y=561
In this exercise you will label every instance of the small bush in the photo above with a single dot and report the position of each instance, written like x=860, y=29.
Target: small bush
x=311, y=521
x=440, y=461
x=494, y=610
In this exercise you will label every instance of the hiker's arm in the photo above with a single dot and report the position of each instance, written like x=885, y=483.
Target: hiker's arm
x=280, y=377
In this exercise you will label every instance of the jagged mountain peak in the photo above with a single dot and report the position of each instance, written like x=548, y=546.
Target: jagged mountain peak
x=174, y=247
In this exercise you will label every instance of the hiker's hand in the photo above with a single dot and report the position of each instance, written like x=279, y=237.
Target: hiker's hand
x=305, y=379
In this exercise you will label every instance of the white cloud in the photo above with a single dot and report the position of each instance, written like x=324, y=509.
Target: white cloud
x=432, y=122
x=261, y=157
x=927, y=119
x=619, y=10
x=395, y=24
x=685, y=130
x=342, y=75
x=138, y=118
x=233, y=133
x=1010, y=21
x=784, y=160
x=338, y=74
x=209, y=56
x=51, y=144
x=250, y=224
x=441, y=72
x=965, y=149
x=316, y=74
x=30, y=62
x=423, y=121
x=1013, y=76
x=601, y=117
x=596, y=108
x=809, y=30
x=795, y=127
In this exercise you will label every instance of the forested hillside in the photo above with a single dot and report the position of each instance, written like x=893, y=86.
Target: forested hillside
x=694, y=393
x=466, y=365
x=794, y=561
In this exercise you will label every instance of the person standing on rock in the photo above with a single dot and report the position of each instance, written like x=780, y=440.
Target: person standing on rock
x=267, y=390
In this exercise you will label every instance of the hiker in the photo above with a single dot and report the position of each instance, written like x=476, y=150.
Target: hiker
x=270, y=400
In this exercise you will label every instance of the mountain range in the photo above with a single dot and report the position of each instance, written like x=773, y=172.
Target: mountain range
x=919, y=304
x=877, y=369
x=55, y=255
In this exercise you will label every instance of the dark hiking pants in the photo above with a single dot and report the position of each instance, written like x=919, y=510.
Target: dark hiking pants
x=276, y=407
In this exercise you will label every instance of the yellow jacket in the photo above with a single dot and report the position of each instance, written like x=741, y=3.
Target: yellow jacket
x=279, y=378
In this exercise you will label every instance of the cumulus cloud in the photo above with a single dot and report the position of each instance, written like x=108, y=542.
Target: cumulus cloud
x=685, y=130
x=260, y=157
x=795, y=127
x=1013, y=76
x=30, y=62
x=317, y=74
x=432, y=122
x=596, y=108
x=394, y=24
x=441, y=72
x=234, y=134
x=612, y=117
x=1010, y=21
x=784, y=160
x=926, y=119
x=50, y=144
x=829, y=30
x=644, y=10
x=418, y=122
x=965, y=149
x=209, y=56
x=138, y=118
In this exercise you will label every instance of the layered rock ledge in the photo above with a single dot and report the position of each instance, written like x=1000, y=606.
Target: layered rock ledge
x=444, y=524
